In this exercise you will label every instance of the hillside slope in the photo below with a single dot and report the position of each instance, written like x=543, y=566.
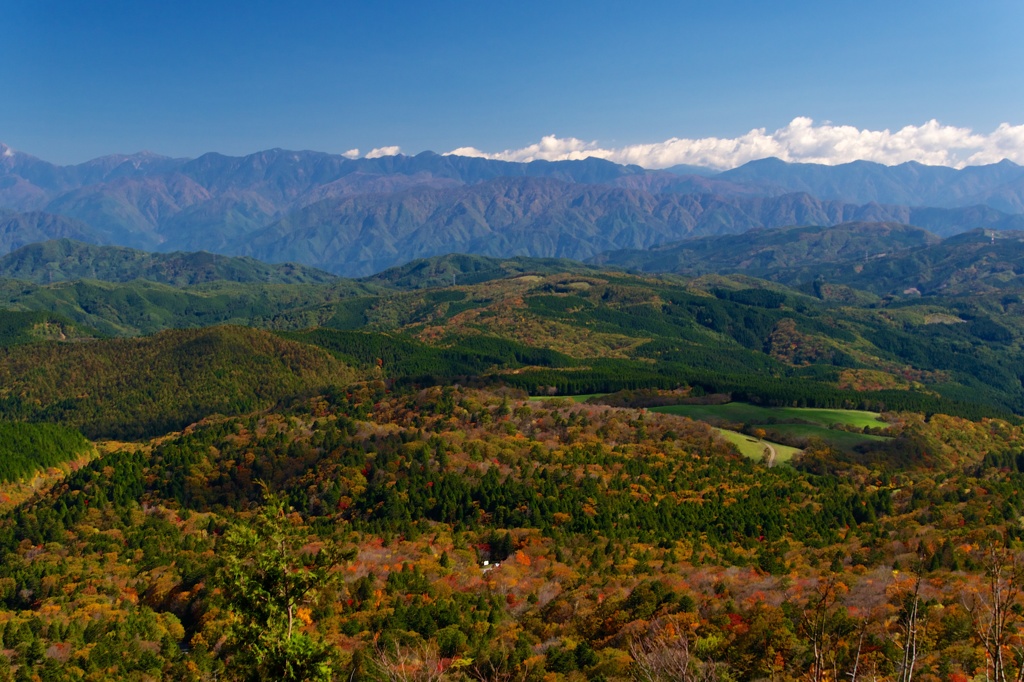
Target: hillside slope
x=141, y=307
x=977, y=262
x=20, y=229
x=760, y=251
x=65, y=259
x=131, y=388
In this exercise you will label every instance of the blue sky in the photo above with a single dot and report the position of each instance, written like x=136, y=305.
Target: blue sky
x=81, y=79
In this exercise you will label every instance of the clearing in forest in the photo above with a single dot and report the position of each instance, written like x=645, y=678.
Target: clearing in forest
x=787, y=422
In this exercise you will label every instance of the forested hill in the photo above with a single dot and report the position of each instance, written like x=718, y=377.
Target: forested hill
x=880, y=258
x=64, y=259
x=760, y=252
x=590, y=330
x=597, y=332
x=141, y=307
x=25, y=448
x=18, y=327
x=976, y=262
x=464, y=269
x=133, y=388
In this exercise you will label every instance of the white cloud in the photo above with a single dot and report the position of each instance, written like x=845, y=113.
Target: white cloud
x=351, y=154
x=383, y=151
x=7, y=151
x=799, y=141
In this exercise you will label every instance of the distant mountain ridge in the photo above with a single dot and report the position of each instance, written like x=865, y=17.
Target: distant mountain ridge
x=999, y=186
x=365, y=234
x=280, y=175
x=355, y=217
x=284, y=175
x=20, y=229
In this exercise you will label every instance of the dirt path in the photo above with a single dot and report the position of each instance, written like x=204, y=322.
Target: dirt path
x=771, y=453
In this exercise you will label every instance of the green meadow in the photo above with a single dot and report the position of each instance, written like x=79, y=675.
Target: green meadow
x=746, y=413
x=754, y=449
x=795, y=422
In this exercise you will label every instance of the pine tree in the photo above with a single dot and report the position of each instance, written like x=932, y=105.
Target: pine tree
x=269, y=585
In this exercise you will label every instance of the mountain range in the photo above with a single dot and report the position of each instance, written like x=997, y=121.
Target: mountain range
x=357, y=217
x=999, y=186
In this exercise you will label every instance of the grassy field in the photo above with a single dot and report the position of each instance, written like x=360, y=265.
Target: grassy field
x=754, y=449
x=813, y=422
x=575, y=398
x=841, y=439
x=746, y=413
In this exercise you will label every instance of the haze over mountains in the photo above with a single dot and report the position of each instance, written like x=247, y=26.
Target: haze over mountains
x=357, y=217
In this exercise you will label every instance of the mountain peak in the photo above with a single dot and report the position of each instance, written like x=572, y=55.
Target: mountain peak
x=767, y=162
